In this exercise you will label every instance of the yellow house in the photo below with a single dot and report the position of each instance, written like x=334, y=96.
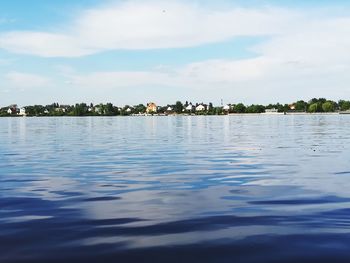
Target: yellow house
x=151, y=107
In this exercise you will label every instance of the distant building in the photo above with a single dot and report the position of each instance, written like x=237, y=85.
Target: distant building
x=169, y=109
x=128, y=110
x=98, y=109
x=22, y=112
x=292, y=106
x=189, y=107
x=227, y=107
x=151, y=107
x=200, y=107
x=12, y=109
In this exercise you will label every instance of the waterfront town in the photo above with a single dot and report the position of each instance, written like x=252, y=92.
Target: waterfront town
x=320, y=105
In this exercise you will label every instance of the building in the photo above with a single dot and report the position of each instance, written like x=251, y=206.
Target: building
x=22, y=111
x=189, y=107
x=151, y=107
x=13, y=109
x=227, y=107
x=200, y=107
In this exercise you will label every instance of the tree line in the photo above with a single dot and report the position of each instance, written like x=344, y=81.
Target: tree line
x=82, y=109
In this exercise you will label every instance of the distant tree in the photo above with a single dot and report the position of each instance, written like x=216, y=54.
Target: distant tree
x=255, y=109
x=328, y=106
x=178, y=107
x=239, y=108
x=109, y=109
x=218, y=110
x=140, y=108
x=300, y=105
x=80, y=109
x=313, y=108
x=344, y=105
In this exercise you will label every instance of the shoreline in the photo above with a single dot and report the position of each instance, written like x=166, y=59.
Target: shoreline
x=190, y=115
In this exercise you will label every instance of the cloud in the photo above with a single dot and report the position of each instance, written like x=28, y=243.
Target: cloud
x=26, y=80
x=42, y=44
x=147, y=25
x=304, y=54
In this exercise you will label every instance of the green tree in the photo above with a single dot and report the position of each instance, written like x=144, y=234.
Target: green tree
x=140, y=108
x=313, y=108
x=344, y=105
x=109, y=109
x=80, y=109
x=328, y=106
x=239, y=108
x=255, y=109
x=300, y=105
x=178, y=107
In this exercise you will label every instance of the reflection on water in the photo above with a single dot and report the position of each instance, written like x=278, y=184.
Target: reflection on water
x=170, y=189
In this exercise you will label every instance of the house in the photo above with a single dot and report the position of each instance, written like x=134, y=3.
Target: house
x=128, y=110
x=62, y=108
x=200, y=107
x=169, y=109
x=98, y=109
x=189, y=107
x=12, y=109
x=227, y=107
x=151, y=107
x=22, y=112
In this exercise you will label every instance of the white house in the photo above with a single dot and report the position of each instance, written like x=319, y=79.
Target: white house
x=22, y=111
x=200, y=107
x=13, y=109
x=227, y=107
x=128, y=110
x=169, y=109
x=189, y=107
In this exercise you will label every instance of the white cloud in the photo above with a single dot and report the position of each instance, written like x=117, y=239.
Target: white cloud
x=26, y=80
x=147, y=25
x=304, y=54
x=42, y=44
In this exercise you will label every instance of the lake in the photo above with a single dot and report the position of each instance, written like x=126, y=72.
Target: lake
x=175, y=189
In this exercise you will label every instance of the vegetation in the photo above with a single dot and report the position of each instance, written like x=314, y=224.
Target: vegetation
x=108, y=109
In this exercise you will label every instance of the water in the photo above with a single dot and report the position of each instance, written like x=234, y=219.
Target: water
x=175, y=189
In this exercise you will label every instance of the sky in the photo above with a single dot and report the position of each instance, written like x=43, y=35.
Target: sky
x=134, y=51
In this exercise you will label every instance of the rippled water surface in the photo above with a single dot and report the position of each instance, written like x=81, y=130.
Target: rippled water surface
x=175, y=189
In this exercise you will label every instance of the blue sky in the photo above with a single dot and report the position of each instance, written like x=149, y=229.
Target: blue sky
x=130, y=52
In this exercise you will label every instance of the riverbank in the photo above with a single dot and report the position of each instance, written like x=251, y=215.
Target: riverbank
x=174, y=115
